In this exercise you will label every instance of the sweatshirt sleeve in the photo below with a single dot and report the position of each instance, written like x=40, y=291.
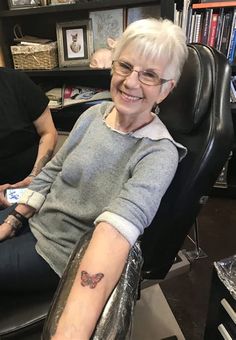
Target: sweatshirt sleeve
x=137, y=203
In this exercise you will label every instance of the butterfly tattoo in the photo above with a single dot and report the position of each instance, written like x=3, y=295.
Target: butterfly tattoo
x=90, y=280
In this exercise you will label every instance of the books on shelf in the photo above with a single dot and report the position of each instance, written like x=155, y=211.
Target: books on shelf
x=71, y=95
x=215, y=27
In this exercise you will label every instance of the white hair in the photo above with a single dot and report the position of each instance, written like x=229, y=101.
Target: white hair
x=157, y=40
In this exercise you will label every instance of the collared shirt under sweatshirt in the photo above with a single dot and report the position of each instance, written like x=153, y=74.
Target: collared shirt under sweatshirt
x=100, y=174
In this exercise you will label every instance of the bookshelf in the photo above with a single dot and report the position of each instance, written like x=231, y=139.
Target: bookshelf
x=214, y=23
x=41, y=22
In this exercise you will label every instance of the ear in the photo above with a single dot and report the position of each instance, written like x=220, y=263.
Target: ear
x=111, y=42
x=165, y=90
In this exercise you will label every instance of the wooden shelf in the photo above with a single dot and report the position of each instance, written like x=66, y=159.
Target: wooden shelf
x=106, y=4
x=71, y=71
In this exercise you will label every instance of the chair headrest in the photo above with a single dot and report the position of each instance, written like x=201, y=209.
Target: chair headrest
x=183, y=110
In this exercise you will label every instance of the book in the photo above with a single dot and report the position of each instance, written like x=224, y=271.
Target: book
x=212, y=33
x=189, y=23
x=186, y=6
x=206, y=25
x=209, y=4
x=233, y=26
x=219, y=28
x=196, y=38
x=232, y=48
x=191, y=32
x=226, y=32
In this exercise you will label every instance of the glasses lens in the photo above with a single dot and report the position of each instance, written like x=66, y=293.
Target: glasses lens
x=122, y=68
x=149, y=78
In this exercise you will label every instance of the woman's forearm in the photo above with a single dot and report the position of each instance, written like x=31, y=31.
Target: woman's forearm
x=99, y=271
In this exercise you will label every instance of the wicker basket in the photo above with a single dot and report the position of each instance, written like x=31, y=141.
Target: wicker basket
x=33, y=57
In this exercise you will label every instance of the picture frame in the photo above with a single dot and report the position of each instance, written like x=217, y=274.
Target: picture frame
x=142, y=12
x=20, y=4
x=75, y=43
x=106, y=24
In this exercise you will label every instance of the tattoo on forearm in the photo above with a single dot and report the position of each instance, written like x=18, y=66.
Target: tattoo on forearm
x=37, y=168
x=90, y=280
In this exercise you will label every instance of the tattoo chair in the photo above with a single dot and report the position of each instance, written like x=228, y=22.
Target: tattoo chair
x=197, y=115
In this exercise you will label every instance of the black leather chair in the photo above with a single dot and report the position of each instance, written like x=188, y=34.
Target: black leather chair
x=197, y=115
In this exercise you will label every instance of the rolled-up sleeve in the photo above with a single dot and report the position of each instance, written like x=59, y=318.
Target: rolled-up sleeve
x=137, y=203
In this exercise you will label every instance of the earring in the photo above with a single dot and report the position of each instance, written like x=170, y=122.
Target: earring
x=157, y=110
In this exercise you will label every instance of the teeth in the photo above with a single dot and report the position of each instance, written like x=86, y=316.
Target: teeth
x=130, y=97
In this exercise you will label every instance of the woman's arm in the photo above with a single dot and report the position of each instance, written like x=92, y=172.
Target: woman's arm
x=6, y=228
x=99, y=271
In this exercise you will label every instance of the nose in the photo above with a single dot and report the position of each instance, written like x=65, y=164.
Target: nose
x=132, y=79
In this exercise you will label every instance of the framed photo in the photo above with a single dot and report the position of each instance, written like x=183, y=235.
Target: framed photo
x=144, y=12
x=75, y=43
x=106, y=24
x=15, y=4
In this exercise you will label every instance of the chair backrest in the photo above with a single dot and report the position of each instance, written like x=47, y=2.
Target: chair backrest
x=198, y=115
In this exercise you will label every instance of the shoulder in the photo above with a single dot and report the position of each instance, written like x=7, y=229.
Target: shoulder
x=96, y=111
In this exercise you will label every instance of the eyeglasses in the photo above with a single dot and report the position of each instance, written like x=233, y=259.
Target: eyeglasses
x=146, y=77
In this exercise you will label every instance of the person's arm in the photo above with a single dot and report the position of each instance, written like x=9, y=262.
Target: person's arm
x=48, y=137
x=99, y=271
x=7, y=229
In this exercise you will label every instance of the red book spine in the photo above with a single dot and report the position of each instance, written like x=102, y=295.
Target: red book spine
x=212, y=34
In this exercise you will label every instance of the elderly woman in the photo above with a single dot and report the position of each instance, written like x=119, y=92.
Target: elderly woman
x=103, y=176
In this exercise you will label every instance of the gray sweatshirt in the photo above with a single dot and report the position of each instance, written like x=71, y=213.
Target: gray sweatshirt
x=100, y=174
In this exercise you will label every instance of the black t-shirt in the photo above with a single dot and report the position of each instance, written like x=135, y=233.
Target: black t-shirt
x=21, y=103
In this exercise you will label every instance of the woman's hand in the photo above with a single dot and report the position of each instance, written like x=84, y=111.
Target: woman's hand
x=6, y=231
x=22, y=184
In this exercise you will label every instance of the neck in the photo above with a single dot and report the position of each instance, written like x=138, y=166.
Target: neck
x=127, y=124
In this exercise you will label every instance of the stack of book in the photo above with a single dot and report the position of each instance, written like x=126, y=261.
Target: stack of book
x=71, y=95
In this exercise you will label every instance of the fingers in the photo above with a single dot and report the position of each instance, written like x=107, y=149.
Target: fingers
x=24, y=183
x=5, y=231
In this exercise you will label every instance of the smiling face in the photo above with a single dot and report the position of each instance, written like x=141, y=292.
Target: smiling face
x=131, y=97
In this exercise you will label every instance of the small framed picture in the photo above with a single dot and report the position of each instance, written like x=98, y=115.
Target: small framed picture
x=106, y=24
x=75, y=43
x=17, y=4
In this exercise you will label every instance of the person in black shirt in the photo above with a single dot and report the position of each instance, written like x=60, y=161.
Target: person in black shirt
x=27, y=132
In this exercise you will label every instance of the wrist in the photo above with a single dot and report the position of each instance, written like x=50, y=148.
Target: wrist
x=13, y=222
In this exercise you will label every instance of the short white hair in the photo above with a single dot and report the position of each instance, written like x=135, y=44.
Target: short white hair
x=157, y=40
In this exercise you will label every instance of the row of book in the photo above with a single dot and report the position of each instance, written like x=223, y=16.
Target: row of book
x=68, y=95
x=211, y=23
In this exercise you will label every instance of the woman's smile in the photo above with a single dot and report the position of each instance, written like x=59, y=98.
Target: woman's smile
x=129, y=97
